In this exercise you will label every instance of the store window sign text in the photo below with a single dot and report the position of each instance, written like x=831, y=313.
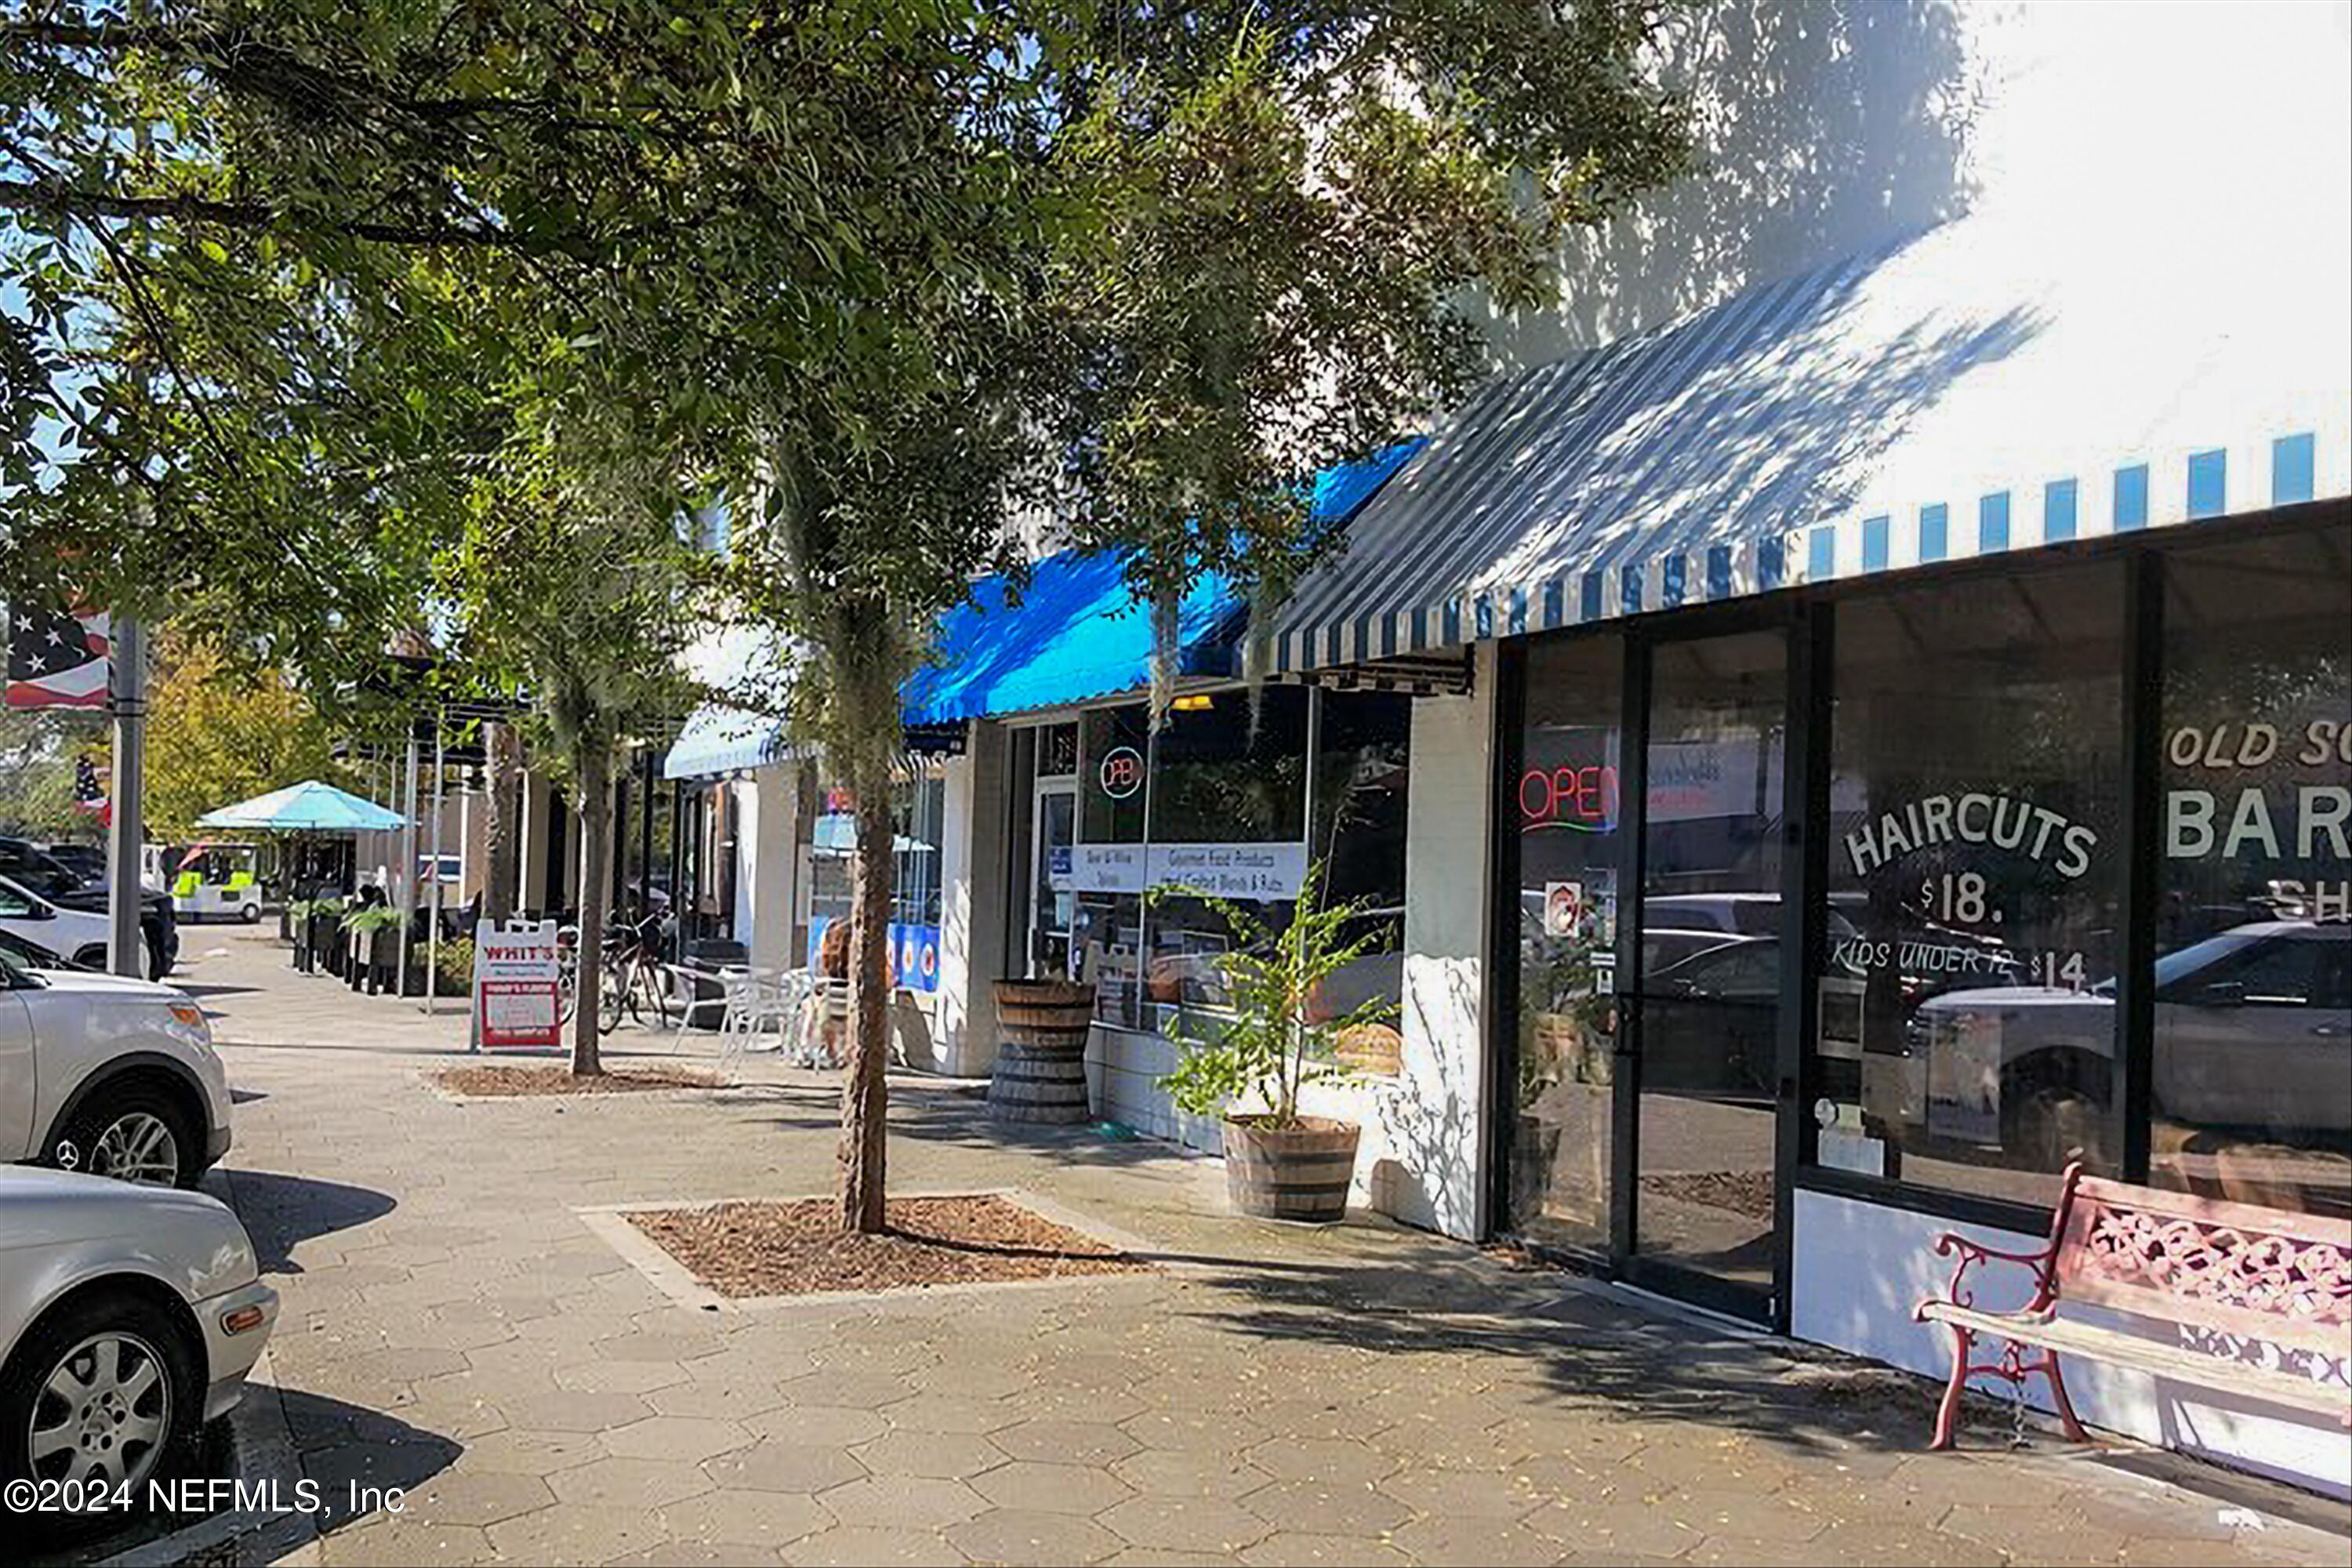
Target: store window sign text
x=1583, y=800
x=2001, y=821
x=2315, y=823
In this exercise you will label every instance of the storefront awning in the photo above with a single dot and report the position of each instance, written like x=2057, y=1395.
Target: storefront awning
x=1077, y=632
x=1990, y=385
x=722, y=739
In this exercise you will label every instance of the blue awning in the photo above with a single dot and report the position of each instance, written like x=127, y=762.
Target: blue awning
x=723, y=739
x=1079, y=633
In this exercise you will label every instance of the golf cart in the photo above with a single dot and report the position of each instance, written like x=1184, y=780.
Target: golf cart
x=217, y=880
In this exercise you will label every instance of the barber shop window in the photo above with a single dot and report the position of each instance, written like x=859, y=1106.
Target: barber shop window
x=1106, y=866
x=1228, y=799
x=1967, y=1036
x=2250, y=1095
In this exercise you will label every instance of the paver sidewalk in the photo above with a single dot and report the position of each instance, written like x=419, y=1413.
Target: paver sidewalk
x=1271, y=1394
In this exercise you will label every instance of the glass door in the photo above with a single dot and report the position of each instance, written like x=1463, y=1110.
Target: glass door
x=1706, y=991
x=1053, y=898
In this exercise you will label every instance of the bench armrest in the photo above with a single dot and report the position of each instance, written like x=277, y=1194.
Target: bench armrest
x=1957, y=1290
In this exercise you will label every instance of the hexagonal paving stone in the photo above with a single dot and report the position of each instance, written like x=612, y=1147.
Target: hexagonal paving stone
x=1291, y=1548
x=1185, y=1523
x=1007, y=1535
x=1160, y=1557
x=397, y=1542
x=2033, y=1534
x=1334, y=1462
x=857, y=1390
x=1065, y=1441
x=687, y=1439
x=1463, y=1493
x=1184, y=1428
x=1189, y=1473
x=629, y=1483
x=1770, y=1517
x=619, y=1376
x=773, y=1464
x=573, y=1533
x=1027, y=1487
x=1310, y=1507
x=943, y=1413
x=565, y=1411
x=1485, y=1542
x=690, y=1554
x=739, y=1519
x=828, y=1425
x=475, y=1497
x=532, y=1453
x=731, y=1400
x=950, y=1456
x=1621, y=1527
x=864, y=1546
x=910, y=1502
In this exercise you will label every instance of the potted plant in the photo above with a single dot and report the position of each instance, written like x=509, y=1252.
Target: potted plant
x=1252, y=1068
x=313, y=921
x=374, y=929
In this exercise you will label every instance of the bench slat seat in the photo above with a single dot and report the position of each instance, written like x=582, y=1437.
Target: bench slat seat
x=2230, y=1273
x=2184, y=1364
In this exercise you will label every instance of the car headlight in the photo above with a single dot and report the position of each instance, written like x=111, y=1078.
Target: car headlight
x=189, y=1026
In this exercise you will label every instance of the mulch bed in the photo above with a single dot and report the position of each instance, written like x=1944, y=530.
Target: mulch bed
x=792, y=1248
x=519, y=1081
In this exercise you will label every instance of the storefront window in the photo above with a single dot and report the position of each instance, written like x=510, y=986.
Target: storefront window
x=917, y=812
x=2250, y=1093
x=1228, y=791
x=1569, y=822
x=1967, y=1034
x=1361, y=764
x=1107, y=863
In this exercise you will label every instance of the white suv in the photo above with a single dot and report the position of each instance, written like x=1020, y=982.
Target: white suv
x=78, y=934
x=107, y=1075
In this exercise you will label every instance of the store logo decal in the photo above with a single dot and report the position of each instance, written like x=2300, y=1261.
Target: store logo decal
x=1121, y=773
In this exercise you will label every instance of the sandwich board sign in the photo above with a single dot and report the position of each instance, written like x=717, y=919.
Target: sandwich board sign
x=516, y=1006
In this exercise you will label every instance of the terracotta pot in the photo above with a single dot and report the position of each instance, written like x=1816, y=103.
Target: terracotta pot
x=1298, y=1173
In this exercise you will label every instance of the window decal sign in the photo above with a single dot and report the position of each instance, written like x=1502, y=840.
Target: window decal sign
x=1121, y=772
x=2001, y=821
x=1267, y=871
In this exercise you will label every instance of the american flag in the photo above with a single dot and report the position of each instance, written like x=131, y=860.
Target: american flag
x=88, y=795
x=58, y=658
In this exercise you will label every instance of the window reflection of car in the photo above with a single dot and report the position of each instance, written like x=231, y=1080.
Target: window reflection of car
x=2253, y=1030
x=1709, y=1020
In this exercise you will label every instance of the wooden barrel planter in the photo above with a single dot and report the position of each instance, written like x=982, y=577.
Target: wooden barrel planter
x=1294, y=1172
x=1041, y=1058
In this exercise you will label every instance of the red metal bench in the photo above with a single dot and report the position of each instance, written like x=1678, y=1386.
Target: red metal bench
x=2231, y=1279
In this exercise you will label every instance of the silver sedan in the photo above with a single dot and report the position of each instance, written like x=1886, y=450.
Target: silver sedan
x=128, y=1318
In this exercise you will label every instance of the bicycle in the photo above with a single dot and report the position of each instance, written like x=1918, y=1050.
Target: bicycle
x=567, y=974
x=632, y=975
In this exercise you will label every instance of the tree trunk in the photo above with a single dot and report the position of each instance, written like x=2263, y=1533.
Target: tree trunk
x=595, y=772
x=502, y=830
x=864, y=1092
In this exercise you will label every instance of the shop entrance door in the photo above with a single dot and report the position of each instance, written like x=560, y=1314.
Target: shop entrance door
x=1697, y=1173
x=1052, y=900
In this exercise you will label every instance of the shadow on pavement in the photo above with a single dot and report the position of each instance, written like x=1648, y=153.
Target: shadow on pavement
x=298, y=1466
x=280, y=1212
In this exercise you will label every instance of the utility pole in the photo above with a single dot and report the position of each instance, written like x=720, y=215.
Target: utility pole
x=126, y=948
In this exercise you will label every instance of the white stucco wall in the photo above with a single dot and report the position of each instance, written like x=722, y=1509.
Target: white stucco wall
x=972, y=939
x=1827, y=127
x=1861, y=1268
x=765, y=805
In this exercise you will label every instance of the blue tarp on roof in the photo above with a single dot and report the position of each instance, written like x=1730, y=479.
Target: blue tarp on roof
x=1079, y=632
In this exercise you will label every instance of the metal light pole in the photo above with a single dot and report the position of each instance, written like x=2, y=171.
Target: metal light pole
x=433, y=931
x=126, y=832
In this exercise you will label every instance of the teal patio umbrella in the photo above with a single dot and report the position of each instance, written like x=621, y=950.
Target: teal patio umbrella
x=310, y=806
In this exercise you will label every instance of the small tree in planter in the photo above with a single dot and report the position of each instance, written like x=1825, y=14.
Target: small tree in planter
x=375, y=933
x=1251, y=1069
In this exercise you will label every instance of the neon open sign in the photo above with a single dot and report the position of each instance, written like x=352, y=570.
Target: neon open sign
x=1582, y=800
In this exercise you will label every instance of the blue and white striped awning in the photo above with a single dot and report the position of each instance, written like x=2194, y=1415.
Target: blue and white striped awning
x=722, y=739
x=1979, y=388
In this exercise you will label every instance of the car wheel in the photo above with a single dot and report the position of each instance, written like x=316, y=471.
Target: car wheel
x=138, y=1135
x=158, y=965
x=107, y=1392
x=250, y=914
